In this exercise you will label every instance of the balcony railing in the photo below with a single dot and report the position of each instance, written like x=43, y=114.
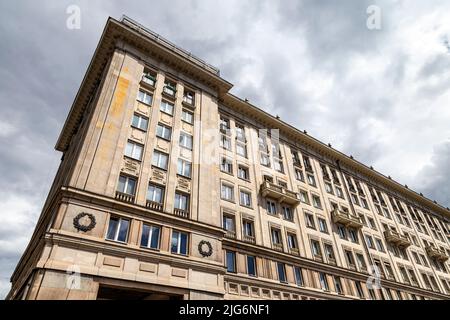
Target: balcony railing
x=436, y=253
x=149, y=80
x=346, y=219
x=397, y=238
x=181, y=213
x=230, y=234
x=124, y=197
x=169, y=91
x=249, y=239
x=294, y=251
x=272, y=190
x=188, y=101
x=152, y=205
x=277, y=246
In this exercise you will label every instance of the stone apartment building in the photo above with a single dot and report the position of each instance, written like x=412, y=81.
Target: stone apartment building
x=170, y=187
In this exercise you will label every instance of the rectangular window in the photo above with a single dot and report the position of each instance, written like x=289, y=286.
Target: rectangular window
x=353, y=235
x=311, y=180
x=292, y=241
x=166, y=107
x=323, y=281
x=323, y=227
x=145, y=97
x=329, y=188
x=155, y=193
x=278, y=165
x=281, y=272
x=361, y=262
x=226, y=166
x=265, y=161
x=160, y=160
x=316, y=202
x=315, y=249
x=342, y=231
x=139, y=122
x=243, y=173
x=150, y=236
x=350, y=258
x=339, y=192
x=163, y=132
x=304, y=196
x=181, y=201
x=228, y=223
x=231, y=261
x=227, y=192
x=379, y=244
x=241, y=149
x=310, y=221
x=188, y=98
x=276, y=236
x=179, y=244
x=127, y=185
x=359, y=289
x=251, y=266
x=186, y=140
x=118, y=229
x=240, y=133
x=271, y=207
x=247, y=226
x=134, y=150
x=287, y=213
x=225, y=142
x=329, y=252
x=298, y=276
x=184, y=168
x=369, y=241
x=187, y=116
x=299, y=175
x=245, y=198
x=338, y=285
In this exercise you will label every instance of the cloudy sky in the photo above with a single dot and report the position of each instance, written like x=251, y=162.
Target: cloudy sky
x=380, y=95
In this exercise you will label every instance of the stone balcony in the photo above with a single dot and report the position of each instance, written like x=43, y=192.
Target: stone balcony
x=181, y=213
x=279, y=193
x=277, y=247
x=397, y=238
x=124, y=197
x=436, y=253
x=346, y=219
x=155, y=206
x=230, y=234
x=249, y=239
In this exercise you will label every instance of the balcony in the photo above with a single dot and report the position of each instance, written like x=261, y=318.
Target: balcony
x=188, y=101
x=181, y=213
x=125, y=197
x=436, y=253
x=279, y=193
x=346, y=219
x=152, y=205
x=148, y=81
x=249, y=239
x=277, y=247
x=397, y=238
x=231, y=234
x=294, y=251
x=169, y=91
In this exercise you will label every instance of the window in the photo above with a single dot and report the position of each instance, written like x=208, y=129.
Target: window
x=315, y=249
x=323, y=281
x=265, y=161
x=292, y=240
x=299, y=175
x=276, y=236
x=163, y=132
x=149, y=78
x=225, y=142
x=184, y=168
x=179, y=243
x=126, y=185
x=304, y=197
x=316, y=202
x=247, y=227
x=241, y=149
x=118, y=229
x=364, y=203
x=353, y=235
x=298, y=276
x=145, y=97
x=338, y=285
x=287, y=213
x=150, y=236
x=323, y=227
x=339, y=192
x=355, y=200
x=278, y=165
x=389, y=271
x=227, y=192
x=231, y=261
x=240, y=133
x=311, y=180
x=369, y=241
x=187, y=116
x=226, y=166
x=181, y=201
x=166, y=107
x=186, y=140
x=361, y=262
x=342, y=231
x=251, y=266
x=372, y=224
x=359, y=289
x=307, y=163
x=134, y=150
x=245, y=198
x=169, y=88
x=228, y=223
x=243, y=173
x=271, y=207
x=350, y=258
x=155, y=193
x=329, y=252
x=224, y=124
x=160, y=160
x=140, y=122
x=328, y=188
x=281, y=272
x=188, y=97
x=310, y=221
x=379, y=244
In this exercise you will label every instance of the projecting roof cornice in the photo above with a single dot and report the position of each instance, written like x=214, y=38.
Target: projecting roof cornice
x=129, y=32
x=344, y=161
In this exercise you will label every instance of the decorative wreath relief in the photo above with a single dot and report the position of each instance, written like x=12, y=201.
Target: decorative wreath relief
x=84, y=222
x=205, y=248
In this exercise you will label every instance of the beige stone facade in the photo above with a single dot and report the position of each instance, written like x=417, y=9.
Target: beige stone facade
x=170, y=187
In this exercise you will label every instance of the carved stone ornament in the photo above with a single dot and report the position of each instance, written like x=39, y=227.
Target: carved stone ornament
x=205, y=248
x=84, y=222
